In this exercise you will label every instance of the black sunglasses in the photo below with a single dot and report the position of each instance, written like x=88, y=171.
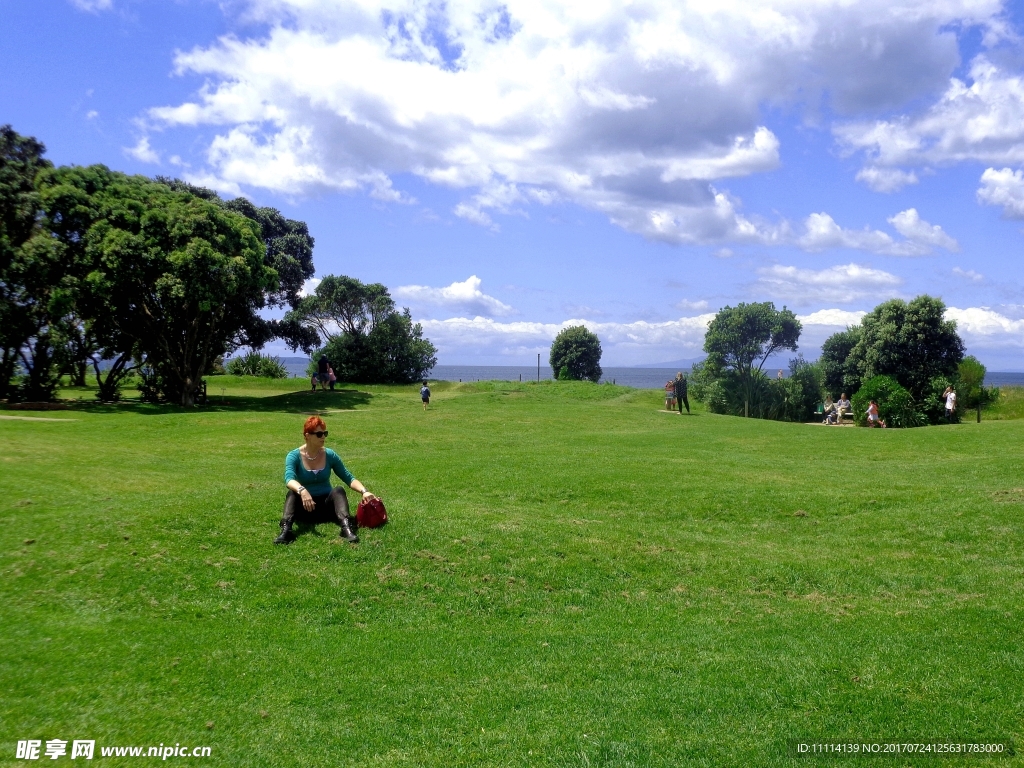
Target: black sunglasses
x=321, y=435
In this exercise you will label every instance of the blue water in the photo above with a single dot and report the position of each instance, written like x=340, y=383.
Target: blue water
x=641, y=378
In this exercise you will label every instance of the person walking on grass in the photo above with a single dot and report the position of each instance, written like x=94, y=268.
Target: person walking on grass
x=322, y=375
x=950, y=397
x=425, y=395
x=310, y=497
x=680, y=392
x=670, y=395
x=331, y=377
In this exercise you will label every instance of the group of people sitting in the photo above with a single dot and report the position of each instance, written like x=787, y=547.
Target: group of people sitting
x=833, y=412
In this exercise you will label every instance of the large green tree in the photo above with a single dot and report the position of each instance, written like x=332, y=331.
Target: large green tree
x=365, y=337
x=29, y=267
x=838, y=375
x=740, y=339
x=910, y=341
x=289, y=252
x=576, y=354
x=179, y=276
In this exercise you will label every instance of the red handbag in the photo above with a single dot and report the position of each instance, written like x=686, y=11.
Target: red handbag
x=371, y=513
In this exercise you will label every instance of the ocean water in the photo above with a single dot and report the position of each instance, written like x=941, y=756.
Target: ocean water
x=641, y=378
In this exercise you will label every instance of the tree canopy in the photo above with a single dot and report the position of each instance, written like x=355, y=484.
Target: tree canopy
x=365, y=337
x=103, y=267
x=576, y=354
x=29, y=266
x=909, y=341
x=178, y=275
x=742, y=338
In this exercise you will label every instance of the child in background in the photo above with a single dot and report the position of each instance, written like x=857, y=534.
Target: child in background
x=333, y=378
x=670, y=395
x=313, y=382
x=425, y=395
x=874, y=420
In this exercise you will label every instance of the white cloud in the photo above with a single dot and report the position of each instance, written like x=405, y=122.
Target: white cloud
x=465, y=296
x=622, y=343
x=92, y=114
x=692, y=305
x=841, y=284
x=822, y=232
x=636, y=110
x=985, y=328
x=309, y=286
x=968, y=274
x=981, y=121
x=886, y=179
x=840, y=318
x=1003, y=188
x=143, y=152
x=909, y=224
x=93, y=6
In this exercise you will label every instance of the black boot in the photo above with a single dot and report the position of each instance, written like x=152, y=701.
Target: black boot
x=286, y=537
x=348, y=524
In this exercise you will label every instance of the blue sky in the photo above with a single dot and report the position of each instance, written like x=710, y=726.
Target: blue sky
x=508, y=168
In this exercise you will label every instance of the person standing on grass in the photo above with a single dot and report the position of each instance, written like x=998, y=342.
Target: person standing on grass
x=425, y=395
x=331, y=377
x=950, y=396
x=310, y=497
x=322, y=375
x=670, y=395
x=680, y=392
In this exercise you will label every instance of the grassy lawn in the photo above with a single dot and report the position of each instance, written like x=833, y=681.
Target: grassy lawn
x=570, y=578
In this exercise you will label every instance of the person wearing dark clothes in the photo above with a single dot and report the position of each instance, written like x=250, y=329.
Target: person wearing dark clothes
x=680, y=388
x=425, y=395
x=323, y=372
x=310, y=498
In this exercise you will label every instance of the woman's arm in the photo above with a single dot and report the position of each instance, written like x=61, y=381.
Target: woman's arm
x=358, y=487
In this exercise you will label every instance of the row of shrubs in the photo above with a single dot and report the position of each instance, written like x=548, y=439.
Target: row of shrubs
x=798, y=397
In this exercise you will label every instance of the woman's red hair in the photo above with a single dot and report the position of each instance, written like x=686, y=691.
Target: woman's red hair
x=313, y=424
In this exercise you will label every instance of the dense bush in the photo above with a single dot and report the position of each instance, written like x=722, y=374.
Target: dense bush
x=377, y=344
x=895, y=403
x=576, y=355
x=254, y=364
x=791, y=399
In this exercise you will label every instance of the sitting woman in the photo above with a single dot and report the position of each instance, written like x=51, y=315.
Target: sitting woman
x=828, y=410
x=311, y=499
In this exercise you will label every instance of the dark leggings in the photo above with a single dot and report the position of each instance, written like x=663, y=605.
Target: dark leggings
x=681, y=401
x=328, y=509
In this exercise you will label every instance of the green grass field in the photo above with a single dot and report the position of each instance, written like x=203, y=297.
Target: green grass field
x=570, y=578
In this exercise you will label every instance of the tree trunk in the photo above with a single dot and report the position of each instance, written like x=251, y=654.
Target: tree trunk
x=188, y=393
x=979, y=413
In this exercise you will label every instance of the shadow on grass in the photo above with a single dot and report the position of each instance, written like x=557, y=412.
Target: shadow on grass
x=289, y=402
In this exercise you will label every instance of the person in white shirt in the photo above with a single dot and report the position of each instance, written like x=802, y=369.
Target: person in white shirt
x=843, y=406
x=950, y=397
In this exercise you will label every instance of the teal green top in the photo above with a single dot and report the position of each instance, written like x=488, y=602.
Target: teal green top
x=318, y=483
